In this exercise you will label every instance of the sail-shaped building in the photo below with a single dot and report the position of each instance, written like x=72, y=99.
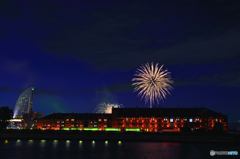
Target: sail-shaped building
x=24, y=103
x=23, y=114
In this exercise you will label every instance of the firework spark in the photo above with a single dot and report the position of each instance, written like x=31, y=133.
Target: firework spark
x=106, y=108
x=152, y=83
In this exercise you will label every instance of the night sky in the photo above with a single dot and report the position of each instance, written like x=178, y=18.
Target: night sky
x=79, y=54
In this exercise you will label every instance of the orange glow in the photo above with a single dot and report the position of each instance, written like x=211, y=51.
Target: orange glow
x=145, y=124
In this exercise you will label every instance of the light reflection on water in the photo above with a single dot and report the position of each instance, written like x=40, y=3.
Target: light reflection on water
x=55, y=143
x=68, y=142
x=30, y=142
x=93, y=144
x=18, y=142
x=42, y=143
x=61, y=149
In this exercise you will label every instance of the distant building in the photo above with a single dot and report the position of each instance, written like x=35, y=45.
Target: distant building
x=138, y=119
x=23, y=115
x=24, y=103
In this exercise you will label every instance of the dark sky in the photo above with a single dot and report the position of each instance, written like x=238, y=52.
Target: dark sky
x=79, y=54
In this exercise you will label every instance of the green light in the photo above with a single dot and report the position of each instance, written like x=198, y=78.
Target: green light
x=119, y=142
x=133, y=129
x=68, y=141
x=80, y=141
x=93, y=142
x=18, y=140
x=91, y=129
x=106, y=142
x=43, y=141
x=75, y=128
x=30, y=141
x=112, y=129
x=55, y=141
x=67, y=129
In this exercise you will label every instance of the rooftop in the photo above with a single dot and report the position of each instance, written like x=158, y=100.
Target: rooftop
x=164, y=112
x=140, y=112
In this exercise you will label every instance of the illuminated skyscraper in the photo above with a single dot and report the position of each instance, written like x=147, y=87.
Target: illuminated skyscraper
x=24, y=103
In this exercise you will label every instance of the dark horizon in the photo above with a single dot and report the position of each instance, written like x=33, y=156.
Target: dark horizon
x=80, y=54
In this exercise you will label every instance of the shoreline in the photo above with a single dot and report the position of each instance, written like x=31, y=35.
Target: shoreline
x=120, y=136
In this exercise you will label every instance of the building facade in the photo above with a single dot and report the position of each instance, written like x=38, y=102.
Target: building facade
x=138, y=120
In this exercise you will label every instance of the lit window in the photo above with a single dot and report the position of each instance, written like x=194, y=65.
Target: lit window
x=99, y=119
x=190, y=120
x=105, y=119
x=171, y=120
x=72, y=119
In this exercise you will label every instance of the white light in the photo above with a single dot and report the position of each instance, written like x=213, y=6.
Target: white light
x=171, y=120
x=190, y=120
x=15, y=120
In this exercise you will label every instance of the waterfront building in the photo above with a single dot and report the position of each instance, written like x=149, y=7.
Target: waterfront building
x=138, y=120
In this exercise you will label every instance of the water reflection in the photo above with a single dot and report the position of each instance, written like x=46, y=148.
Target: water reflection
x=30, y=142
x=119, y=142
x=80, y=142
x=93, y=143
x=55, y=143
x=6, y=142
x=106, y=143
x=18, y=142
x=162, y=150
x=62, y=149
x=42, y=143
x=68, y=142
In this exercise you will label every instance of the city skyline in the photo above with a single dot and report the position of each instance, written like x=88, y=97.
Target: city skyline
x=80, y=55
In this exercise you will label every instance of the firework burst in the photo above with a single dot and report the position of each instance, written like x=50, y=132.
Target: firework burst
x=152, y=83
x=106, y=108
